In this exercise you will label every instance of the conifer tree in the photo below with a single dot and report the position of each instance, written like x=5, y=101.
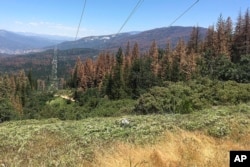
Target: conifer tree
x=89, y=72
x=135, y=52
x=246, y=33
x=128, y=51
x=109, y=87
x=79, y=78
x=127, y=61
x=210, y=41
x=179, y=66
x=41, y=85
x=31, y=81
x=241, y=37
x=239, y=40
x=153, y=54
x=166, y=62
x=5, y=87
x=221, y=42
x=194, y=48
x=229, y=35
x=134, y=78
x=128, y=55
x=168, y=47
x=194, y=41
x=115, y=88
x=100, y=70
x=109, y=62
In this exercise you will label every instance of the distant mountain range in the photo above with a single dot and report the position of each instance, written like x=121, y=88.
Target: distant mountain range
x=46, y=36
x=40, y=62
x=144, y=39
x=19, y=43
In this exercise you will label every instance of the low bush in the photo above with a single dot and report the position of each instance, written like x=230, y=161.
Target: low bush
x=219, y=130
x=191, y=96
x=176, y=98
x=108, y=108
x=7, y=111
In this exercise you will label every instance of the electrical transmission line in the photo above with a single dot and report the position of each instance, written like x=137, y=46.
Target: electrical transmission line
x=183, y=13
x=83, y=9
x=139, y=3
x=54, y=80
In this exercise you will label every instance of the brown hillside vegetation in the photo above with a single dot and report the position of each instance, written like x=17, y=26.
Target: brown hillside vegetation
x=181, y=148
x=173, y=140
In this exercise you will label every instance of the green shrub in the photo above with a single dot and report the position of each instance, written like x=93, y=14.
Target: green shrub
x=108, y=108
x=219, y=130
x=7, y=111
x=148, y=104
x=208, y=92
x=176, y=98
x=35, y=104
x=91, y=96
x=196, y=95
x=231, y=92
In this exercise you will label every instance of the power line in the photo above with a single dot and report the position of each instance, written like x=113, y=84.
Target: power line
x=184, y=13
x=139, y=3
x=83, y=9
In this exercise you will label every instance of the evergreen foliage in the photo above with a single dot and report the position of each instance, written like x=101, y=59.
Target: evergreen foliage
x=191, y=96
x=214, y=70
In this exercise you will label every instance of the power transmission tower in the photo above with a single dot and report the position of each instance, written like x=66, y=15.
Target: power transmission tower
x=54, y=79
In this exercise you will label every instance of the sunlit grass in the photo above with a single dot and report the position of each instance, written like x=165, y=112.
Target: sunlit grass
x=149, y=140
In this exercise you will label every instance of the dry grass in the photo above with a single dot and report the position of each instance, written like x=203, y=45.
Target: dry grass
x=176, y=149
x=192, y=140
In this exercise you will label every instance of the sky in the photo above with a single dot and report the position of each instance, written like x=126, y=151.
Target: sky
x=102, y=17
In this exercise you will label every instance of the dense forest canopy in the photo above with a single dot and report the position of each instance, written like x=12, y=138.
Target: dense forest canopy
x=224, y=55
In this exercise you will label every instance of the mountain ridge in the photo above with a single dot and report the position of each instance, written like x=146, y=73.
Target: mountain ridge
x=143, y=38
x=48, y=36
x=16, y=43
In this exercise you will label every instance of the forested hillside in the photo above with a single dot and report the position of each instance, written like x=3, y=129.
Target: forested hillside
x=144, y=38
x=219, y=63
x=186, y=105
x=222, y=55
x=39, y=64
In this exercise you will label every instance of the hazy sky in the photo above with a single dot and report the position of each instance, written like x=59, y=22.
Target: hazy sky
x=61, y=17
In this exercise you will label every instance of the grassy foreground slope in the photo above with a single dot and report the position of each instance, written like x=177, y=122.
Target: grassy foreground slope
x=197, y=139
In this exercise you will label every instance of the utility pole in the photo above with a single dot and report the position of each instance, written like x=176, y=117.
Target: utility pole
x=54, y=79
